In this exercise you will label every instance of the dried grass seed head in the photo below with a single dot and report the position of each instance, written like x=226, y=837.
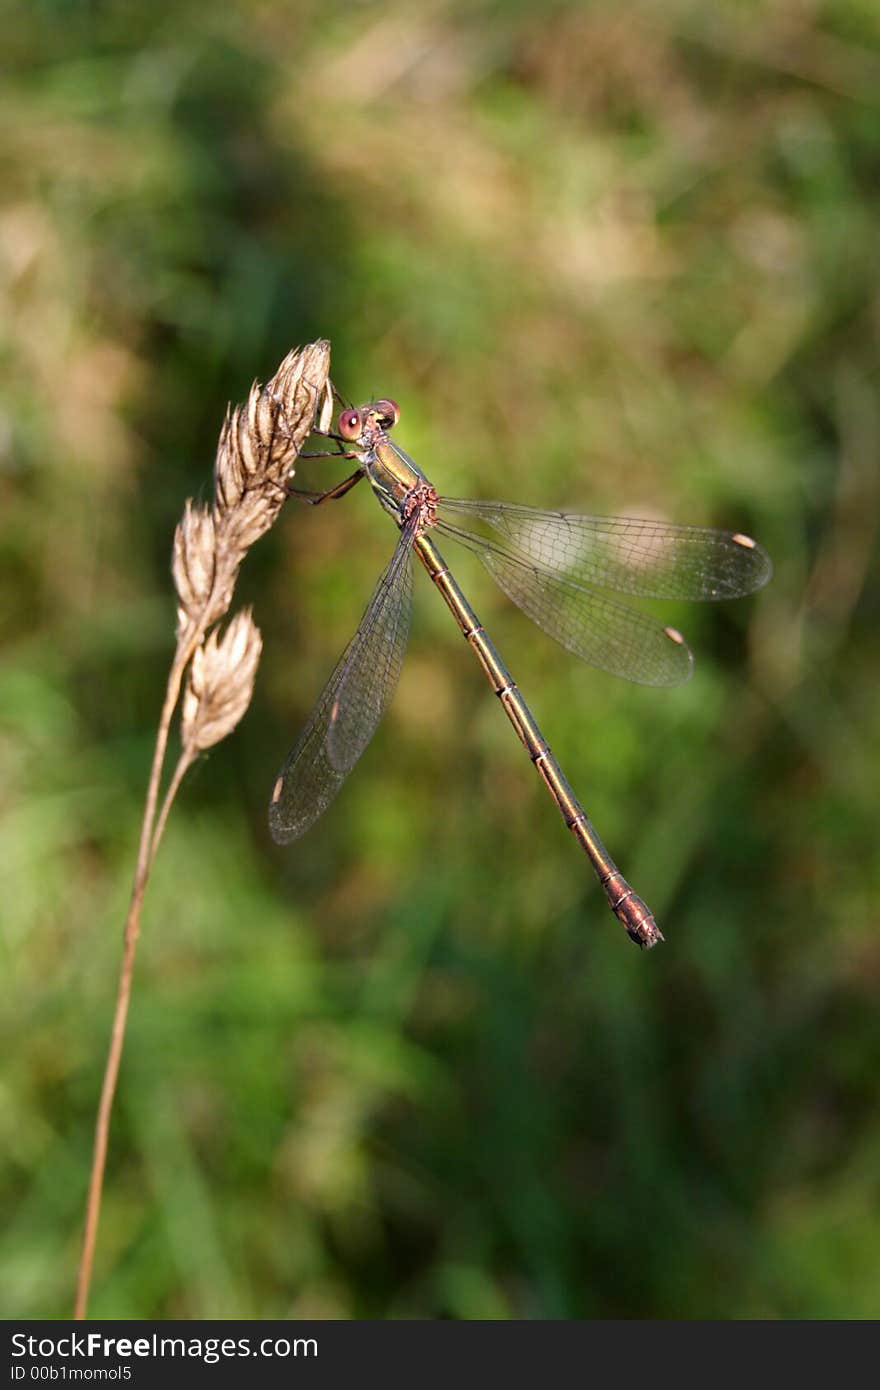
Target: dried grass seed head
x=256, y=454
x=261, y=440
x=221, y=683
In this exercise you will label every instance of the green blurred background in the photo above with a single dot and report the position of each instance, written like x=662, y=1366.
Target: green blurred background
x=610, y=257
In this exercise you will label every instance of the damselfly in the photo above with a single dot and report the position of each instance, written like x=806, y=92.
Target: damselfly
x=558, y=568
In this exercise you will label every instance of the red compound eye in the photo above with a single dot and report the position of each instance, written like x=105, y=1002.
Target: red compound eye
x=389, y=411
x=350, y=424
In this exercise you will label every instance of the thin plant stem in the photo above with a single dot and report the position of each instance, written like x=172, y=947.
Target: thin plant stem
x=184, y=762
x=146, y=850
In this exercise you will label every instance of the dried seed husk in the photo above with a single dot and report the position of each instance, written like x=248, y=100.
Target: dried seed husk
x=220, y=683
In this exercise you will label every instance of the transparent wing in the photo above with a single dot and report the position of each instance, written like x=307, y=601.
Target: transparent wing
x=648, y=559
x=593, y=626
x=349, y=708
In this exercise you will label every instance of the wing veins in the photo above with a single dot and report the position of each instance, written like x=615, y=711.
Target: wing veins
x=348, y=710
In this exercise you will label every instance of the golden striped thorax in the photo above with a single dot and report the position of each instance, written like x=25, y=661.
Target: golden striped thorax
x=396, y=479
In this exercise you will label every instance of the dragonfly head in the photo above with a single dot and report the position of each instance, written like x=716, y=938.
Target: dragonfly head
x=368, y=420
